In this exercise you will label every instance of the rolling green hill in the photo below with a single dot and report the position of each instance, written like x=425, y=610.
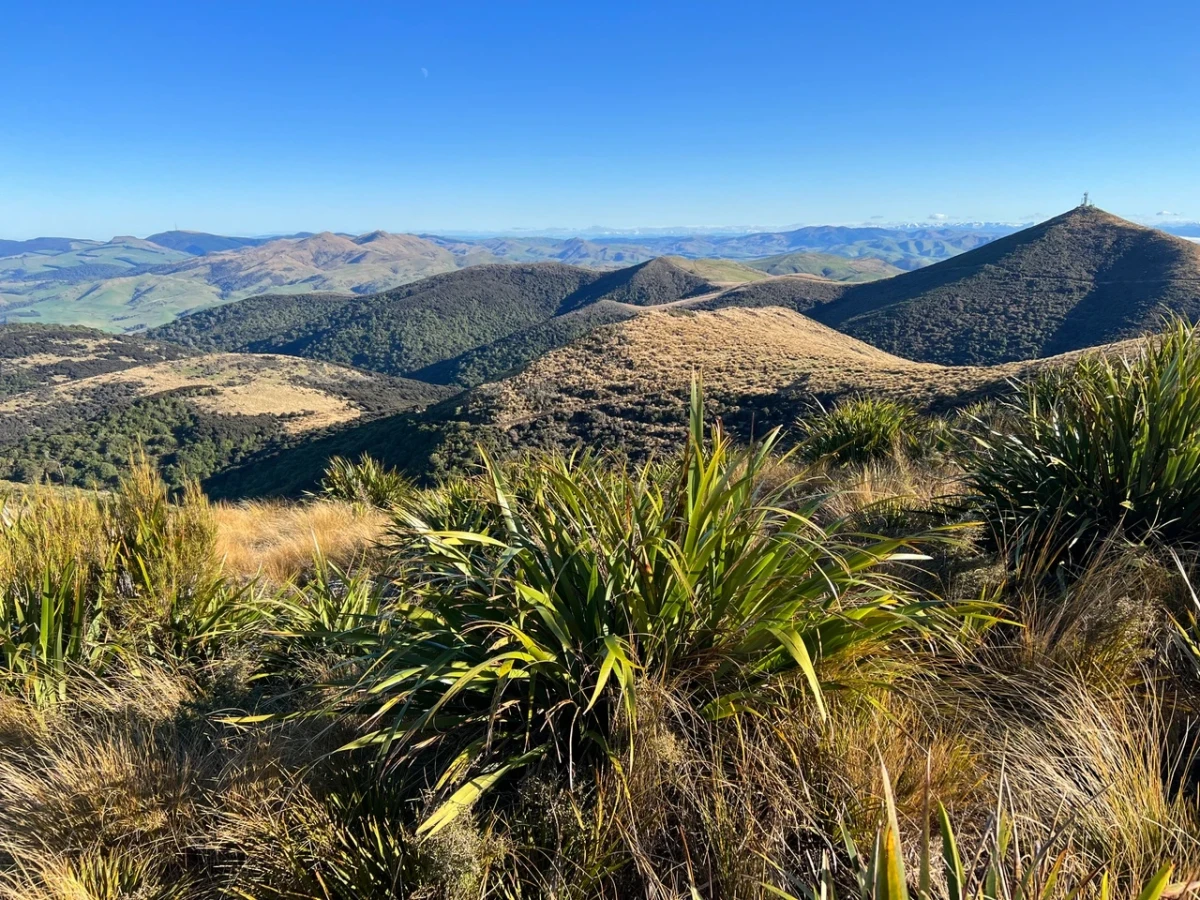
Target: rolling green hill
x=52, y=258
x=461, y=327
x=87, y=282
x=40, y=245
x=825, y=265
x=718, y=271
x=136, y=284
x=199, y=243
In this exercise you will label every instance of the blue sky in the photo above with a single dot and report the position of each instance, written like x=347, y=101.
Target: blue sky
x=263, y=117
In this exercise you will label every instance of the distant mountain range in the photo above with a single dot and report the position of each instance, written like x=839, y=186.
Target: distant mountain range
x=1077, y=280
x=131, y=283
x=1184, y=229
x=255, y=394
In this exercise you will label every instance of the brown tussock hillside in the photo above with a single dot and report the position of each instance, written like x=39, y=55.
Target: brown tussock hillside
x=737, y=351
x=310, y=394
x=626, y=385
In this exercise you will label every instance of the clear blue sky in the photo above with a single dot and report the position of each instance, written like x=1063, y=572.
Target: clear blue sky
x=257, y=117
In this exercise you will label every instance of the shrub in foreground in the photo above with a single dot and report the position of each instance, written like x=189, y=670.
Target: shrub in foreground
x=367, y=481
x=532, y=646
x=87, y=577
x=864, y=429
x=1108, y=444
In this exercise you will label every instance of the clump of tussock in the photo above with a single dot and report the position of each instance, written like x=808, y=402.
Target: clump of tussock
x=864, y=429
x=1108, y=445
x=1102, y=764
x=275, y=541
x=88, y=577
x=594, y=582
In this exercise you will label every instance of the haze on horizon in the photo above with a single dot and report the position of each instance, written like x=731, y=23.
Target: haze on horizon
x=269, y=118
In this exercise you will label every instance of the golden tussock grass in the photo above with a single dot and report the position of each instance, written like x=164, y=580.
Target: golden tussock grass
x=277, y=540
x=740, y=353
x=893, y=485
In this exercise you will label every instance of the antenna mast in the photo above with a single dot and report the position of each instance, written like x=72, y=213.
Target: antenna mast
x=1085, y=199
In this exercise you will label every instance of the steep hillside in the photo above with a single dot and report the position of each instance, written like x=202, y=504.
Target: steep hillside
x=825, y=265
x=509, y=354
x=651, y=283
x=462, y=327
x=33, y=356
x=250, y=322
x=800, y=293
x=396, y=331
x=625, y=386
x=1083, y=278
x=194, y=416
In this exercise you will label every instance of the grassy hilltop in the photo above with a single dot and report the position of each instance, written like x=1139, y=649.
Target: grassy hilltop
x=1080, y=279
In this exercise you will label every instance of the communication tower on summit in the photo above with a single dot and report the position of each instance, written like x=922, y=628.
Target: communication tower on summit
x=1085, y=202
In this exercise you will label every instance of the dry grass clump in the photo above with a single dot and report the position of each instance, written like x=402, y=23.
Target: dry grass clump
x=890, y=488
x=1100, y=769
x=134, y=788
x=277, y=541
x=88, y=578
